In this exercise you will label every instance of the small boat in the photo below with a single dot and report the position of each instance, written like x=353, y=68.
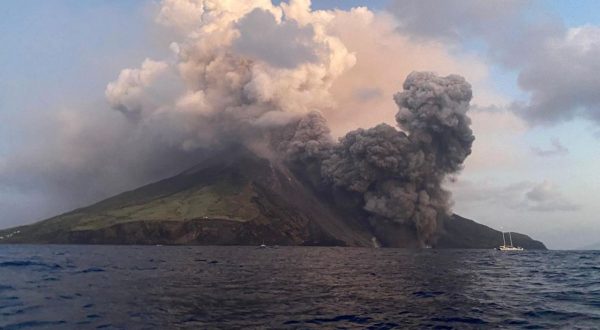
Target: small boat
x=510, y=247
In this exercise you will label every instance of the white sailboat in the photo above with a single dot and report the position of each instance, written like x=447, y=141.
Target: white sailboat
x=510, y=247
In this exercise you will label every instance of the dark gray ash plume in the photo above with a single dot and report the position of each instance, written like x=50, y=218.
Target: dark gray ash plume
x=398, y=173
x=305, y=139
x=433, y=112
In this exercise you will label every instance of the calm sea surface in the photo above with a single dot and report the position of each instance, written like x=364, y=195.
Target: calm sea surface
x=119, y=287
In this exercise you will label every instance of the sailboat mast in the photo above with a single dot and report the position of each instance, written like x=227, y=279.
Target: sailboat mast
x=503, y=240
x=510, y=236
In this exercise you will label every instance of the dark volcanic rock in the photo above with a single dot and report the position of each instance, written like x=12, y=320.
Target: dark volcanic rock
x=459, y=232
x=238, y=198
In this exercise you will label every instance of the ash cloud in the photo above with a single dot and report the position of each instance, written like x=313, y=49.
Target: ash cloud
x=270, y=107
x=400, y=173
x=283, y=45
x=223, y=86
x=397, y=173
x=240, y=69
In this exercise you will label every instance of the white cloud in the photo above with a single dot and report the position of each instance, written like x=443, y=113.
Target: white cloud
x=523, y=196
x=557, y=66
x=556, y=149
x=384, y=57
x=498, y=132
x=130, y=93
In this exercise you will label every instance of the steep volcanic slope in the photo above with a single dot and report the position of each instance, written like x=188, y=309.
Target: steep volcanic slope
x=238, y=198
x=459, y=232
x=234, y=199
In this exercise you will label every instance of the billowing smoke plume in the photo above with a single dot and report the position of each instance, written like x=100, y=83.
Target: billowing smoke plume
x=400, y=174
x=433, y=111
x=241, y=68
x=259, y=74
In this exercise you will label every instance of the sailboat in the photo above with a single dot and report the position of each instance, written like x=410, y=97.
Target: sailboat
x=510, y=247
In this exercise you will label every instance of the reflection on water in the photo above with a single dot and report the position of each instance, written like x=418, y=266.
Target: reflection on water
x=302, y=287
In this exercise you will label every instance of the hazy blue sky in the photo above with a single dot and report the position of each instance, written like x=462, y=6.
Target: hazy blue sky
x=535, y=165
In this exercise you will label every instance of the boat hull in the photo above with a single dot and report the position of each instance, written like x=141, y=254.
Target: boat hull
x=509, y=248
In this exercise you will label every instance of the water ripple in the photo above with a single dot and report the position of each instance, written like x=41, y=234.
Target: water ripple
x=117, y=287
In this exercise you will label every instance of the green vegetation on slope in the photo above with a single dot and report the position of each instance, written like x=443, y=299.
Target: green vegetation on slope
x=191, y=196
x=240, y=199
x=221, y=201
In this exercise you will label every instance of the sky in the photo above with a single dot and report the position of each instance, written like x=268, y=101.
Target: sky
x=535, y=111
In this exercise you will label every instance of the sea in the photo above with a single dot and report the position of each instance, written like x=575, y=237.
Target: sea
x=206, y=287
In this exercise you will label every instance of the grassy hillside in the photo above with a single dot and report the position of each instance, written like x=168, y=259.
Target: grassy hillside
x=224, y=200
x=186, y=197
x=233, y=199
x=238, y=199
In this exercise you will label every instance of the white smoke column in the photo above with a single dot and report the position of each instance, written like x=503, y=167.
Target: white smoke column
x=242, y=67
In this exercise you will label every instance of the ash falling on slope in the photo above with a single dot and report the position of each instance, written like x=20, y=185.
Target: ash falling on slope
x=398, y=174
